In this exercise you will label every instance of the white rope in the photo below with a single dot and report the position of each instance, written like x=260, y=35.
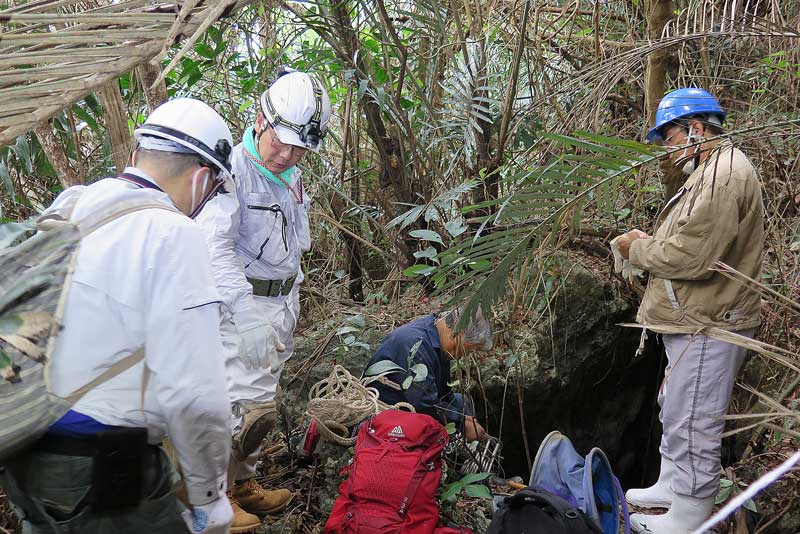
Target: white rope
x=749, y=493
x=341, y=401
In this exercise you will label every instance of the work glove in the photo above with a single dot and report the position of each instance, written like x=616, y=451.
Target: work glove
x=621, y=265
x=212, y=518
x=259, y=343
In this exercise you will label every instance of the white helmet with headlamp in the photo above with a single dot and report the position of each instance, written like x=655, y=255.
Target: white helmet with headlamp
x=298, y=109
x=189, y=126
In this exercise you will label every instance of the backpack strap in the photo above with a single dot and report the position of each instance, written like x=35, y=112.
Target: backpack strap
x=86, y=226
x=411, y=489
x=118, y=368
x=97, y=220
x=625, y=512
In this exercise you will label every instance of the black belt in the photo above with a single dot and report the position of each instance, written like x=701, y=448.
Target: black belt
x=72, y=445
x=272, y=288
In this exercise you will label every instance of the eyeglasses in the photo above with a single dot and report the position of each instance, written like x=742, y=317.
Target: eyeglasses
x=667, y=141
x=277, y=145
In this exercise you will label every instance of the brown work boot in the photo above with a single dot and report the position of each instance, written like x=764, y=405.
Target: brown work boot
x=242, y=521
x=257, y=500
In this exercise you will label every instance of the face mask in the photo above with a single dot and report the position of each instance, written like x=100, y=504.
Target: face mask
x=692, y=160
x=197, y=192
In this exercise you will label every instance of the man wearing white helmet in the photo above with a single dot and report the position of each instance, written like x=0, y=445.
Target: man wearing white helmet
x=140, y=334
x=256, y=238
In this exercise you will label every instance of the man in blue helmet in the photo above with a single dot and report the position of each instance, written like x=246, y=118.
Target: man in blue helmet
x=717, y=215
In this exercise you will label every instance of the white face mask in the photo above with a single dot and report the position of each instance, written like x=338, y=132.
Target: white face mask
x=198, y=193
x=690, y=163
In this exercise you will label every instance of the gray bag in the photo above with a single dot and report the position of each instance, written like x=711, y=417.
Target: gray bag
x=37, y=259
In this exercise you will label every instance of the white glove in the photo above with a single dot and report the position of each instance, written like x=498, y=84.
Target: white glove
x=621, y=265
x=259, y=343
x=212, y=518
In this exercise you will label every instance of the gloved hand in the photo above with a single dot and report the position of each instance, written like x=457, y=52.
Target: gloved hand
x=621, y=264
x=212, y=518
x=259, y=343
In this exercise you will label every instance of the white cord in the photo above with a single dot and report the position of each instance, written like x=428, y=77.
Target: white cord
x=749, y=493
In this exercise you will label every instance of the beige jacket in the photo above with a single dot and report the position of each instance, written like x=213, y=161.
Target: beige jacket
x=718, y=215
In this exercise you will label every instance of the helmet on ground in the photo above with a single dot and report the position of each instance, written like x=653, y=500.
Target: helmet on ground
x=189, y=126
x=685, y=103
x=298, y=109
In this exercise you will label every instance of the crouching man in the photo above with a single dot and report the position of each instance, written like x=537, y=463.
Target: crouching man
x=432, y=342
x=141, y=339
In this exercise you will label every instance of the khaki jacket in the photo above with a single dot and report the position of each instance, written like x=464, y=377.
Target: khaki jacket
x=718, y=215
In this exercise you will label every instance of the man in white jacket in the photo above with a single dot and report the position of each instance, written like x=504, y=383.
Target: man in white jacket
x=141, y=281
x=256, y=236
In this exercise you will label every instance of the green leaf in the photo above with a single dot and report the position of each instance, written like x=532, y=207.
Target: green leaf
x=429, y=253
x=205, y=50
x=455, y=228
x=346, y=330
x=450, y=428
x=475, y=477
x=420, y=371
x=750, y=505
x=407, y=382
x=724, y=492
x=357, y=320
x=247, y=104
x=427, y=235
x=477, y=490
x=383, y=367
x=419, y=270
x=9, y=185
x=451, y=491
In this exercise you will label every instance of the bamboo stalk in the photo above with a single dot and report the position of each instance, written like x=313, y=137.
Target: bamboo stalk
x=110, y=52
x=60, y=18
x=210, y=18
x=58, y=101
x=24, y=76
x=116, y=120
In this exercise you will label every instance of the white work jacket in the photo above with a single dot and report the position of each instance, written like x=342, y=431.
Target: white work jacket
x=145, y=280
x=259, y=231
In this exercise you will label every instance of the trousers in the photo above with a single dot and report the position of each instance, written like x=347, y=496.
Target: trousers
x=700, y=375
x=258, y=385
x=48, y=493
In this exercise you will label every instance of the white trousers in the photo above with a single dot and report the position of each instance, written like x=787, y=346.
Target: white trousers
x=700, y=375
x=258, y=385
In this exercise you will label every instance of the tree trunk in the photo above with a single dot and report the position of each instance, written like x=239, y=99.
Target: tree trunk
x=116, y=123
x=387, y=140
x=149, y=73
x=55, y=153
x=658, y=14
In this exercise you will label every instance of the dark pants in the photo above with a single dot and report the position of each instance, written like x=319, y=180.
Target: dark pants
x=49, y=493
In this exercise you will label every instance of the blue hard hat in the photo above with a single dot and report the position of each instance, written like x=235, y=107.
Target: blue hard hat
x=682, y=103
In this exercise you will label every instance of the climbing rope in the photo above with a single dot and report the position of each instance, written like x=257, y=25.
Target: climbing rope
x=341, y=401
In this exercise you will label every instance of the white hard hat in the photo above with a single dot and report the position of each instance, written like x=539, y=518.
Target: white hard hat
x=189, y=125
x=298, y=109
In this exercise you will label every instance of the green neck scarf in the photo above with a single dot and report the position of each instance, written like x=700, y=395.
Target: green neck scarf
x=250, y=146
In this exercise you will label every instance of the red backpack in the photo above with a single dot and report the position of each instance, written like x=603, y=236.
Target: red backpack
x=393, y=478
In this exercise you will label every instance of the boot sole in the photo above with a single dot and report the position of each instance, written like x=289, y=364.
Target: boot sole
x=649, y=504
x=243, y=530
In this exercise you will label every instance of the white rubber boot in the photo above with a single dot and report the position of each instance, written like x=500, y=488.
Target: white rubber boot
x=659, y=495
x=683, y=517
